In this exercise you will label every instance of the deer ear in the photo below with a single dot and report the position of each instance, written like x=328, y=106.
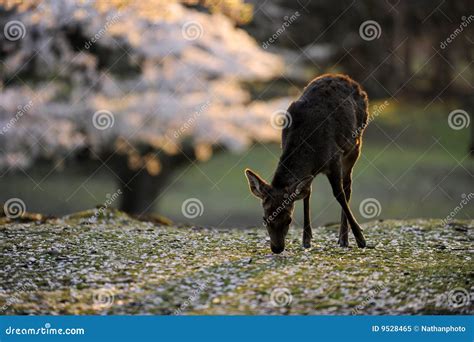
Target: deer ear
x=303, y=188
x=256, y=184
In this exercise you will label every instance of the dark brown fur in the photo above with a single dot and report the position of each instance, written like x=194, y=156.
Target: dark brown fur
x=325, y=136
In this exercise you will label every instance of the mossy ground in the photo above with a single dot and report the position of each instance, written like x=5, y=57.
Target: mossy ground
x=118, y=265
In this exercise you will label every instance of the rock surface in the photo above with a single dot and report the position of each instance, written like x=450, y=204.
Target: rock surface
x=117, y=265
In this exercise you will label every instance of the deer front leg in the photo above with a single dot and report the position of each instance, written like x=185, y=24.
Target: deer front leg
x=307, y=233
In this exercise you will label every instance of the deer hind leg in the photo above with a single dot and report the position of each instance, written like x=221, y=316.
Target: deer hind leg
x=307, y=233
x=347, y=164
x=344, y=230
x=335, y=178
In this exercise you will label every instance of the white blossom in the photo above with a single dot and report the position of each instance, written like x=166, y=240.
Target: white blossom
x=170, y=89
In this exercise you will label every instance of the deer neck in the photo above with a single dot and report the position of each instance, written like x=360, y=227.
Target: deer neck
x=290, y=170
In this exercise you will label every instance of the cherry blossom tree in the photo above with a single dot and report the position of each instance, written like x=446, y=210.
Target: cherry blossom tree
x=142, y=86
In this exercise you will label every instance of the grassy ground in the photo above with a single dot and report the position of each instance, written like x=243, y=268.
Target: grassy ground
x=117, y=265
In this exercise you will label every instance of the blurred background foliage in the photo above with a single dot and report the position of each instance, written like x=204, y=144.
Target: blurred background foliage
x=223, y=86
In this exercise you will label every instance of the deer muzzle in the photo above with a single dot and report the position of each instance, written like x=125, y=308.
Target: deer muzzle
x=277, y=249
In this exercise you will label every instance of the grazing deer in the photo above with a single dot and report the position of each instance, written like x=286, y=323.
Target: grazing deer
x=323, y=135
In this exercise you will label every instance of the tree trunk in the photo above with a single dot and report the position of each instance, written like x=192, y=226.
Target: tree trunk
x=141, y=190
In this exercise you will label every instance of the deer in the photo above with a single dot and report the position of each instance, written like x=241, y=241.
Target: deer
x=322, y=134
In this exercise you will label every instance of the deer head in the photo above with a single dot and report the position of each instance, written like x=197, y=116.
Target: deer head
x=278, y=205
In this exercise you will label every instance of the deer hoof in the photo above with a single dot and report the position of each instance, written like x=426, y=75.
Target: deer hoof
x=343, y=242
x=361, y=243
x=307, y=243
